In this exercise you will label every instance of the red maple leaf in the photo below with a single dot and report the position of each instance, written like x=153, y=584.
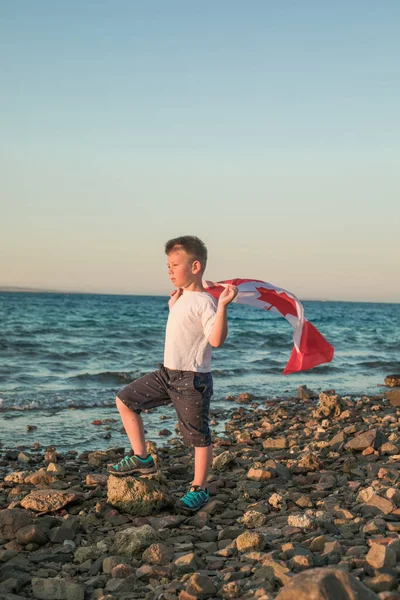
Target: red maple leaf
x=282, y=302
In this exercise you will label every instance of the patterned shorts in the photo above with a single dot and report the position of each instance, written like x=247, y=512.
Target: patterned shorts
x=190, y=393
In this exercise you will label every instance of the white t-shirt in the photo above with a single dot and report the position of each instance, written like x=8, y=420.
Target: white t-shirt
x=189, y=326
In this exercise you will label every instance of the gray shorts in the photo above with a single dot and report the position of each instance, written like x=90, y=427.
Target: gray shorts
x=190, y=393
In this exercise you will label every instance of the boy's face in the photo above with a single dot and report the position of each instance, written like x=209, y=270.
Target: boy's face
x=182, y=269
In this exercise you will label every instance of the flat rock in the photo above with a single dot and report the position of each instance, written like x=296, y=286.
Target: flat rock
x=48, y=500
x=362, y=441
x=325, y=584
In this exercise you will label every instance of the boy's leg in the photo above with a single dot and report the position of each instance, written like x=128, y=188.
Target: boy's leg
x=203, y=456
x=191, y=393
x=133, y=425
x=147, y=392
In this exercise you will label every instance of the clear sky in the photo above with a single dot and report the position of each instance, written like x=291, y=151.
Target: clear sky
x=269, y=129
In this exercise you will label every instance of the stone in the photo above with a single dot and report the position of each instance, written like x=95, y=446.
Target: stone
x=310, y=462
x=381, y=557
x=384, y=505
x=158, y=554
x=40, y=477
x=139, y=497
x=304, y=393
x=48, y=500
x=17, y=476
x=303, y=521
x=121, y=571
x=223, y=461
x=337, y=440
x=392, y=380
x=31, y=534
x=56, y=588
x=249, y=541
x=134, y=540
x=56, y=469
x=382, y=582
x=110, y=562
x=201, y=586
x=363, y=441
x=67, y=530
x=276, y=443
x=394, y=397
x=389, y=448
x=186, y=563
x=330, y=405
x=325, y=583
x=279, y=569
x=253, y=519
x=257, y=474
x=97, y=479
x=11, y=520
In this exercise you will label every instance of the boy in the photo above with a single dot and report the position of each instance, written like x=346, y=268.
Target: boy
x=195, y=325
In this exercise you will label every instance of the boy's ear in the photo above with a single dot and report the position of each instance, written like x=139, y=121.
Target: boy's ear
x=196, y=267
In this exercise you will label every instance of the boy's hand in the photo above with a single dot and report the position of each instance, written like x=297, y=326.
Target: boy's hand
x=174, y=297
x=229, y=293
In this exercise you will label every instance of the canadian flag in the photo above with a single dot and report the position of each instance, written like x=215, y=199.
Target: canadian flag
x=310, y=346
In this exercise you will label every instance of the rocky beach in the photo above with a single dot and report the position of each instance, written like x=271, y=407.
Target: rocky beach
x=305, y=504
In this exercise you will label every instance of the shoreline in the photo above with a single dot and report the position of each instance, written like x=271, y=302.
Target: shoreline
x=299, y=491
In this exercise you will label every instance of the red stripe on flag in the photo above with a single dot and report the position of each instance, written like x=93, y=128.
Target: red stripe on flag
x=314, y=350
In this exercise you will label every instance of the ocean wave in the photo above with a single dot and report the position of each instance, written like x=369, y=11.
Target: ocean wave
x=106, y=377
x=379, y=364
x=229, y=372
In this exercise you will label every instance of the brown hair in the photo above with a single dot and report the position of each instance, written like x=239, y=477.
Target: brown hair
x=192, y=245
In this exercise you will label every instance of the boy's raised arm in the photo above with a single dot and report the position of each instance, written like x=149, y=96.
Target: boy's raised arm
x=219, y=331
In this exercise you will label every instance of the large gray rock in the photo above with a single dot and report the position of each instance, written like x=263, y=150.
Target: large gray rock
x=139, y=497
x=325, y=584
x=132, y=541
x=11, y=520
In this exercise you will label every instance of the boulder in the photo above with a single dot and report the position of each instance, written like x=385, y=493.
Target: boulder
x=139, y=497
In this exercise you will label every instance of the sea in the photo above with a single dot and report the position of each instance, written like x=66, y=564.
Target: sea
x=63, y=358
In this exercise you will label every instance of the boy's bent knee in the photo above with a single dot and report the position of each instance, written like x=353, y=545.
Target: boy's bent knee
x=120, y=404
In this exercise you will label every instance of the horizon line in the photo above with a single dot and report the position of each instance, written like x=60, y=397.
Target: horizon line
x=23, y=290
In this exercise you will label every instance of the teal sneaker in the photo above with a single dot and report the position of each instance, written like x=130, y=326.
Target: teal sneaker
x=194, y=499
x=132, y=465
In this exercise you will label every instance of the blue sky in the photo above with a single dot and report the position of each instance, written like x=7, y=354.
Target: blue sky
x=270, y=130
